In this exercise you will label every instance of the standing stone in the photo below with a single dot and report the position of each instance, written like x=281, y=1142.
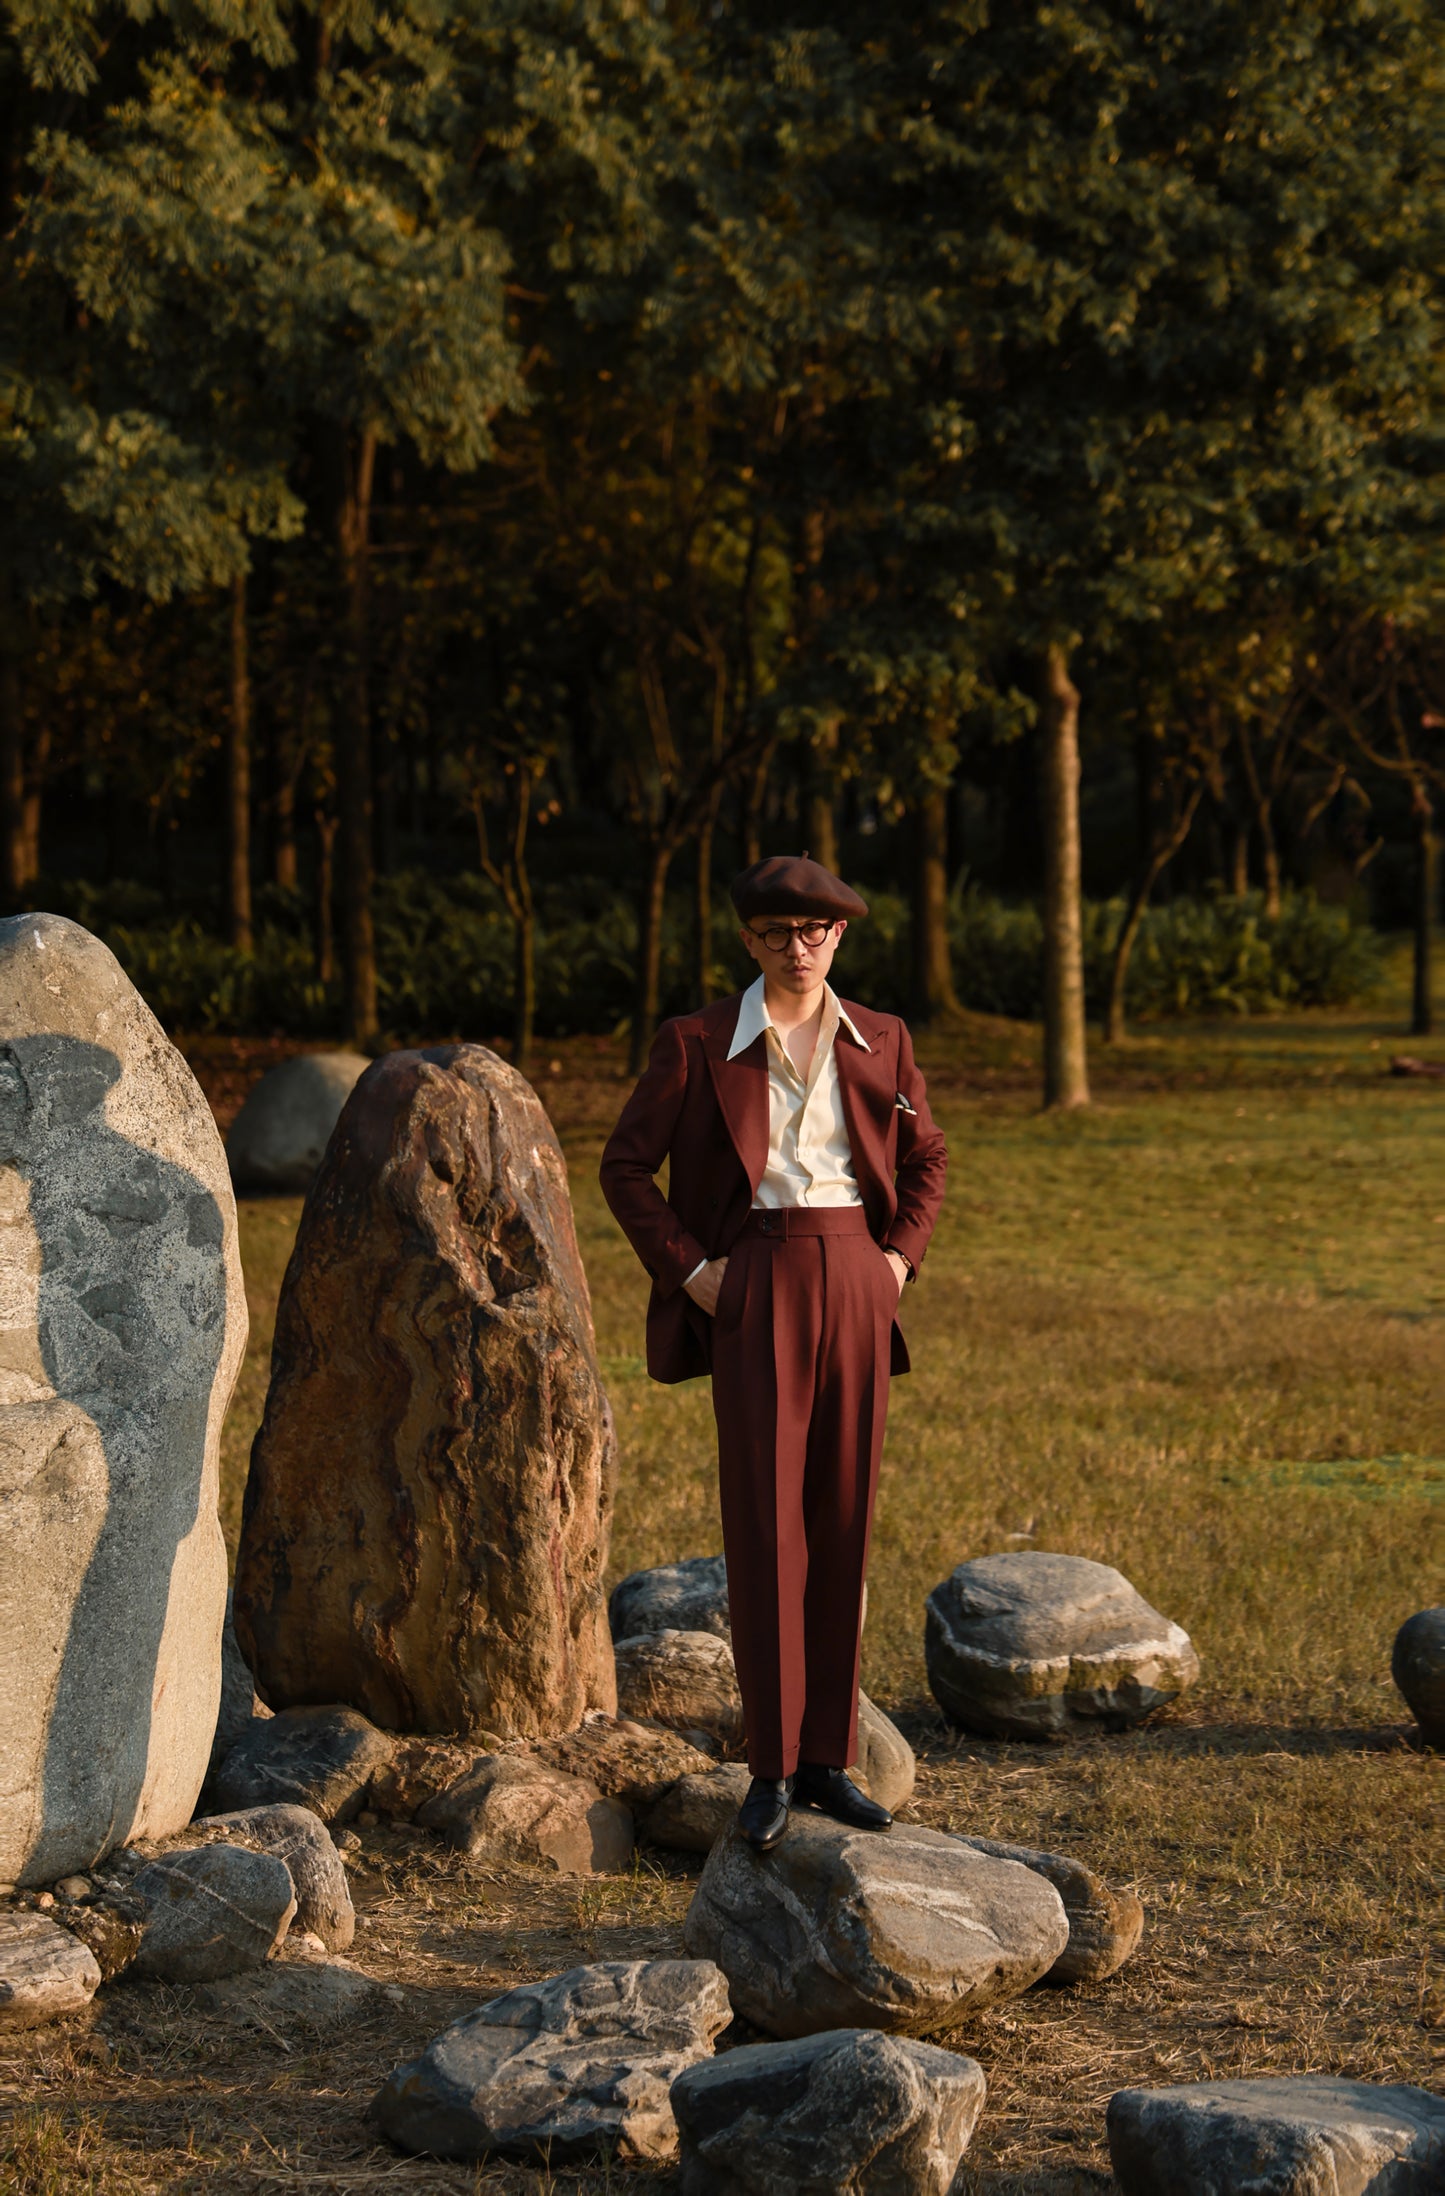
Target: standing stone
x=430, y=1495
x=846, y=2113
x=44, y=1971
x=836, y=1928
x=562, y=2069
x=122, y=1325
x=1417, y=1665
x=1025, y=1644
x=687, y=1680
x=1307, y=2135
x=211, y=1910
x=691, y=1596
x=280, y=1134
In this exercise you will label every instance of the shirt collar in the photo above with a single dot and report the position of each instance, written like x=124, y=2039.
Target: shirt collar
x=754, y=1019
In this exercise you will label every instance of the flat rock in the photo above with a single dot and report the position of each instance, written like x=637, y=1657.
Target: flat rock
x=686, y=1680
x=1417, y=1664
x=1311, y=2135
x=299, y=1989
x=625, y=1760
x=44, y=1971
x=561, y=2069
x=906, y=1931
x=321, y=1758
x=430, y=1493
x=844, y=2113
x=122, y=1326
x=416, y=1770
x=279, y=1137
x=211, y=1910
x=1026, y=1644
x=691, y=1596
x=885, y=1758
x=318, y=1875
x=692, y=1814
x=1104, y=1925
x=513, y=1810
x=240, y=1701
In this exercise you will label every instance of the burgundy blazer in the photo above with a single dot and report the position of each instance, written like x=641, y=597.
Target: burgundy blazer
x=708, y=1116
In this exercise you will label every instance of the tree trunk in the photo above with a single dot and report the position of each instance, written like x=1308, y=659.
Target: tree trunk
x=1066, y=1075
x=648, y=1001
x=752, y=832
x=821, y=812
x=13, y=869
x=239, y=928
x=283, y=857
x=934, y=996
x=32, y=804
x=702, y=901
x=1157, y=856
x=353, y=746
x=1269, y=862
x=1422, y=1005
x=1239, y=855
x=325, y=896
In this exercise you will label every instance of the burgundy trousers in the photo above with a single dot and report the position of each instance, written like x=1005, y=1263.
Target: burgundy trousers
x=800, y=1391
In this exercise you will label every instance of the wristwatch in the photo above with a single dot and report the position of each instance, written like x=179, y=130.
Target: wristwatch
x=908, y=1262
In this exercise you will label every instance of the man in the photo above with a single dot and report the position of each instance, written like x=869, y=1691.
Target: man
x=805, y=1178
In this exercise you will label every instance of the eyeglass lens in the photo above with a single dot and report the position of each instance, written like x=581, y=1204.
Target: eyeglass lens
x=776, y=937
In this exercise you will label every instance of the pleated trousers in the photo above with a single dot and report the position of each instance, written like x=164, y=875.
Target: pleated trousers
x=800, y=1347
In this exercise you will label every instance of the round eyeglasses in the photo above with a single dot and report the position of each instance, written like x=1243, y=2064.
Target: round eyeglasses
x=777, y=935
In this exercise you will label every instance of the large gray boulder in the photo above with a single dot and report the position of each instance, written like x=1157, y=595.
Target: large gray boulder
x=1022, y=1645
x=692, y=1814
x=1104, y=1925
x=691, y=1596
x=1417, y=1664
x=122, y=1325
x=318, y=1874
x=845, y=2113
x=511, y=1809
x=561, y=2069
x=906, y=1931
x=44, y=1971
x=1309, y=2135
x=211, y=1910
x=279, y=1137
x=686, y=1680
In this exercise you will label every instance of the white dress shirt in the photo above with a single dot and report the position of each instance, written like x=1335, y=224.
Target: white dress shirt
x=810, y=1157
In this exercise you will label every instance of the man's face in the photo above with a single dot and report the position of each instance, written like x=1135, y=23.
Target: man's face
x=798, y=961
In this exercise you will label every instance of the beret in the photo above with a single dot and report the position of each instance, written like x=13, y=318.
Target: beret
x=791, y=884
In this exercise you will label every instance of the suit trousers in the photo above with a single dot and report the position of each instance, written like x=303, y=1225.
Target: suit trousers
x=800, y=1351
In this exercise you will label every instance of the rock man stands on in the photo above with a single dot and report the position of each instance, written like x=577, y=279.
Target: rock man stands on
x=806, y=1177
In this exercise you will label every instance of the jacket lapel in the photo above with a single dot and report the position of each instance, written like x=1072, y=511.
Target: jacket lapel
x=861, y=1079
x=742, y=1095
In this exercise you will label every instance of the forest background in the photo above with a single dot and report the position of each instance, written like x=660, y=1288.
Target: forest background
x=471, y=475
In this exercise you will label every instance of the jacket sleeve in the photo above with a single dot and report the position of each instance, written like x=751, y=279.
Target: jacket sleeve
x=922, y=1162
x=633, y=1155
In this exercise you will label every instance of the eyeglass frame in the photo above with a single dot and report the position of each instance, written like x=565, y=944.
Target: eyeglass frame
x=821, y=923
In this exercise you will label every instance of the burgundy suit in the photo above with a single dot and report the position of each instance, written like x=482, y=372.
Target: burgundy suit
x=801, y=1346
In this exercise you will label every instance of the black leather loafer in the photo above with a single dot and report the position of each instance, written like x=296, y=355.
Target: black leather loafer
x=763, y=1816
x=833, y=1792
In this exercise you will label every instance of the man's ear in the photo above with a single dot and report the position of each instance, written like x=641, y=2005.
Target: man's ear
x=840, y=926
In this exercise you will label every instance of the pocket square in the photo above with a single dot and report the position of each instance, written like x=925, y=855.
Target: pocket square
x=901, y=1104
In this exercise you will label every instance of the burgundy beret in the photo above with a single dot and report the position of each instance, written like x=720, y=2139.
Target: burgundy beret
x=790, y=884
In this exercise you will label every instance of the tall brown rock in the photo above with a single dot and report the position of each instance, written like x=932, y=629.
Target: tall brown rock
x=430, y=1495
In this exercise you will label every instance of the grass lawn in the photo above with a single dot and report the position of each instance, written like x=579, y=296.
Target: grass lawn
x=1197, y=1332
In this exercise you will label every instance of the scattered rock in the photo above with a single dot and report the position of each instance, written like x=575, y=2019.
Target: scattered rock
x=692, y=1814
x=431, y=1490
x=299, y=1989
x=845, y=2113
x=111, y=1931
x=513, y=1809
x=278, y=1137
x=211, y=1910
x=1417, y=1665
x=1312, y=2135
x=73, y=1887
x=885, y=1758
x=563, y=2068
x=124, y=1326
x=417, y=1770
x=625, y=1760
x=843, y=1929
x=681, y=1679
x=1104, y=1925
x=691, y=1596
x=318, y=1875
x=44, y=1971
x=321, y=1758
x=240, y=1701
x=1024, y=1644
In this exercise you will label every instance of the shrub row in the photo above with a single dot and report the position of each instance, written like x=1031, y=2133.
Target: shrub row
x=444, y=950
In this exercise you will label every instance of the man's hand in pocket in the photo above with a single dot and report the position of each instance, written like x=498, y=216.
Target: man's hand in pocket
x=705, y=1287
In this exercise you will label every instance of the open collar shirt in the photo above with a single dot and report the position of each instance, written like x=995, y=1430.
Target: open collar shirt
x=810, y=1159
